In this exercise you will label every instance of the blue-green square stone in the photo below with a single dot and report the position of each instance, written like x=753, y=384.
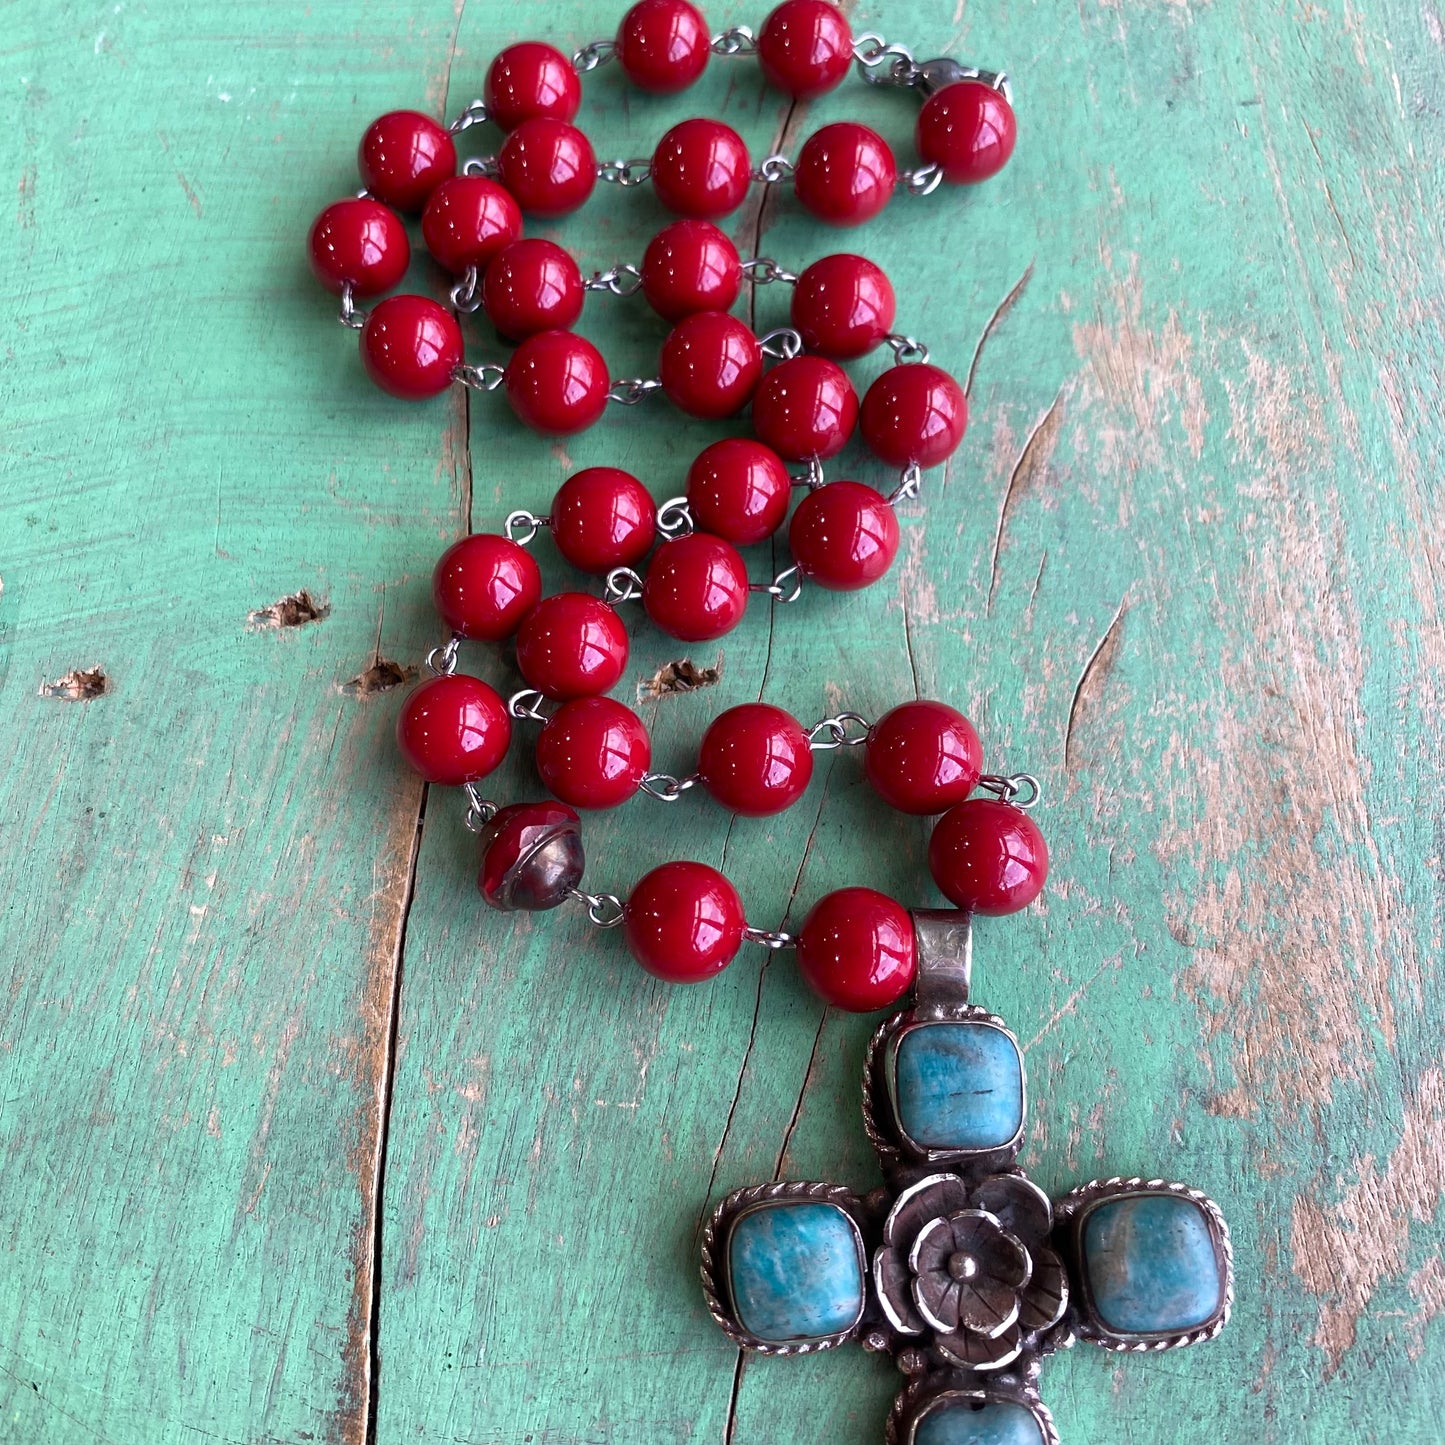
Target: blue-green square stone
x=960, y=1423
x=959, y=1086
x=794, y=1271
x=1152, y=1265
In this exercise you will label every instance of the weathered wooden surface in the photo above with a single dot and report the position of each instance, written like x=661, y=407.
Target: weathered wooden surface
x=1185, y=569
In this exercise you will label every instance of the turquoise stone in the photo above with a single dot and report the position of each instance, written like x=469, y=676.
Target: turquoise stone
x=959, y=1086
x=1002, y=1423
x=794, y=1271
x=1151, y=1264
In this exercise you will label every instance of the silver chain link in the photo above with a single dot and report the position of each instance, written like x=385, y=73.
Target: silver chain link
x=593, y=54
x=786, y=587
x=351, y=315
x=735, y=40
x=906, y=349
x=832, y=732
x=526, y=704
x=522, y=526
x=466, y=294
x=921, y=180
x=812, y=478
x=442, y=659
x=1007, y=789
x=481, y=810
x=482, y=166
x=769, y=937
x=631, y=172
x=665, y=788
x=782, y=343
x=624, y=280
x=762, y=270
x=622, y=585
x=773, y=169
x=474, y=114
x=480, y=378
x=908, y=485
x=603, y=909
x=674, y=518
x=880, y=63
x=631, y=390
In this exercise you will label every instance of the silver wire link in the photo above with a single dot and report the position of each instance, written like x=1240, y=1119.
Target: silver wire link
x=630, y=390
x=521, y=526
x=442, y=659
x=812, y=478
x=735, y=40
x=674, y=518
x=480, y=378
x=474, y=114
x=623, y=585
x=350, y=315
x=906, y=349
x=466, y=294
x=526, y=704
x=597, y=52
x=624, y=280
x=481, y=810
x=783, y=343
x=880, y=63
x=769, y=937
x=773, y=169
x=786, y=587
x=1007, y=789
x=625, y=172
x=762, y=270
x=665, y=788
x=482, y=166
x=921, y=180
x=833, y=732
x=908, y=485
x=603, y=909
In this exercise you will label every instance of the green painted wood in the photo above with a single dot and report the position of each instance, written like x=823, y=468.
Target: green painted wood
x=1183, y=570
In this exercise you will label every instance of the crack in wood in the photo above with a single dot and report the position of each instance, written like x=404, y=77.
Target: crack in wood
x=1096, y=669
x=999, y=312
x=1032, y=464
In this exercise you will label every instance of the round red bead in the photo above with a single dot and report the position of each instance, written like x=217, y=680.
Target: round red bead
x=530, y=80
x=557, y=383
x=710, y=364
x=805, y=408
x=548, y=166
x=571, y=645
x=532, y=857
x=914, y=413
x=532, y=286
x=922, y=757
x=845, y=173
x=484, y=585
x=755, y=759
x=988, y=857
x=738, y=489
x=404, y=156
x=453, y=730
x=663, y=45
x=805, y=47
x=468, y=220
x=700, y=168
x=593, y=752
x=856, y=950
x=603, y=517
x=690, y=266
x=696, y=588
x=410, y=346
x=843, y=306
x=843, y=536
x=968, y=129
x=683, y=922
x=360, y=243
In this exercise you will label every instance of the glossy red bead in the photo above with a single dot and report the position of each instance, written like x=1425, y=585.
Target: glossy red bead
x=988, y=857
x=548, y=166
x=843, y=536
x=484, y=585
x=738, y=489
x=843, y=306
x=968, y=129
x=710, y=364
x=532, y=857
x=530, y=80
x=914, y=413
x=755, y=759
x=531, y=286
x=700, y=168
x=856, y=950
x=571, y=645
x=696, y=587
x=404, y=156
x=683, y=922
x=922, y=757
x=557, y=383
x=593, y=752
x=690, y=266
x=410, y=346
x=359, y=242
x=805, y=47
x=453, y=730
x=805, y=408
x=845, y=173
x=603, y=517
x=663, y=45
x=468, y=220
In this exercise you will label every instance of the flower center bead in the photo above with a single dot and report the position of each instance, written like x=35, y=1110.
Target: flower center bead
x=962, y=1266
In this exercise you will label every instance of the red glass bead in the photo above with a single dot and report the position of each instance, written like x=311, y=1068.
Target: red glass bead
x=404, y=156
x=696, y=587
x=361, y=243
x=571, y=645
x=690, y=266
x=988, y=856
x=548, y=166
x=468, y=220
x=805, y=47
x=755, y=759
x=603, y=517
x=856, y=950
x=557, y=383
x=532, y=286
x=700, y=168
x=593, y=752
x=922, y=757
x=845, y=173
x=410, y=346
x=453, y=730
x=738, y=489
x=843, y=536
x=532, y=857
x=843, y=306
x=805, y=408
x=530, y=80
x=683, y=922
x=484, y=585
x=710, y=364
x=914, y=413
x=663, y=45
x=968, y=129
